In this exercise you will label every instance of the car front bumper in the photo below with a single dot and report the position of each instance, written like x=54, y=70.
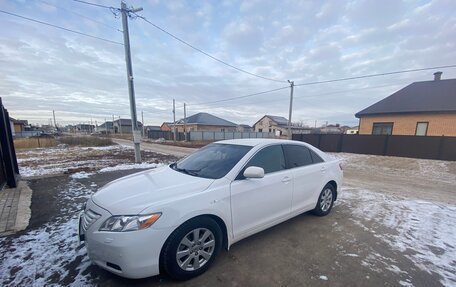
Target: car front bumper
x=133, y=254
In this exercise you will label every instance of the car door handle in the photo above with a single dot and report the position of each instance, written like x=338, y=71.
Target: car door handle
x=286, y=179
x=323, y=168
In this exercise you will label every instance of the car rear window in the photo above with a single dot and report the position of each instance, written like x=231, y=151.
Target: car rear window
x=297, y=155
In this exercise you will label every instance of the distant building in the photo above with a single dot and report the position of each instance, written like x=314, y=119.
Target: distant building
x=123, y=126
x=205, y=122
x=331, y=129
x=152, y=128
x=425, y=108
x=352, y=131
x=18, y=126
x=244, y=128
x=105, y=128
x=277, y=125
x=82, y=128
x=166, y=126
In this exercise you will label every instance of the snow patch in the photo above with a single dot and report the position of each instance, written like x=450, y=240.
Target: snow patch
x=82, y=174
x=323, y=277
x=424, y=229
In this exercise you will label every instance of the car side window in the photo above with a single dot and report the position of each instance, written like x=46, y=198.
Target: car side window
x=297, y=156
x=270, y=158
x=315, y=157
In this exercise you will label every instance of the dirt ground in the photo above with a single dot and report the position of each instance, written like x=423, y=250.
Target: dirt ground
x=393, y=225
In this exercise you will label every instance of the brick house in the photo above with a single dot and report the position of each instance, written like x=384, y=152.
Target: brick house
x=425, y=108
x=205, y=122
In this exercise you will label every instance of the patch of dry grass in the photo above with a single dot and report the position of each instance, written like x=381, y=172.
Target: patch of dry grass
x=34, y=142
x=86, y=141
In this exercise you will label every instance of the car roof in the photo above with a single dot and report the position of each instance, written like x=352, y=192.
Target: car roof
x=257, y=141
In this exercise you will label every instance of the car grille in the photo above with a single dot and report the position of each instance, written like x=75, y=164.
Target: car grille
x=88, y=217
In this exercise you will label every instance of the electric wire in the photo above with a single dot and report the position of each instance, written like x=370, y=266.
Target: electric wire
x=205, y=53
x=94, y=4
x=79, y=14
x=375, y=75
x=59, y=27
x=239, y=97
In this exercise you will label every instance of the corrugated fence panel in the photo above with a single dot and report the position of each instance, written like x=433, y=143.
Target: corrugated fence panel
x=413, y=146
x=365, y=144
x=448, y=148
x=330, y=143
x=443, y=148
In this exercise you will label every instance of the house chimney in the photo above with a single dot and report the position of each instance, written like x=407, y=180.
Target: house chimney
x=437, y=76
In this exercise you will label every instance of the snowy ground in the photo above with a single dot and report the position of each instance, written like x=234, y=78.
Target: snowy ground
x=416, y=228
x=64, y=159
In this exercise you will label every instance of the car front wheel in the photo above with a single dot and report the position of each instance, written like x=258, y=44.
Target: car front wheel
x=191, y=248
x=325, y=201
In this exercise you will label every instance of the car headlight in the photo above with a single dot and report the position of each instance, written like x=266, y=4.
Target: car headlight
x=121, y=223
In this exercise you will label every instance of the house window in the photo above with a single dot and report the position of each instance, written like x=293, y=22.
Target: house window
x=421, y=128
x=382, y=129
x=260, y=130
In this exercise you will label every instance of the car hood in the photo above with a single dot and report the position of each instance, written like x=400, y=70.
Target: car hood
x=131, y=194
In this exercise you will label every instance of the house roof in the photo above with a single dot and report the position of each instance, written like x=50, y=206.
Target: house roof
x=153, y=128
x=281, y=121
x=206, y=119
x=126, y=122
x=245, y=126
x=107, y=125
x=435, y=96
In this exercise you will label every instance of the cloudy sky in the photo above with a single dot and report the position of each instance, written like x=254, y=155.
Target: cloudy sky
x=44, y=69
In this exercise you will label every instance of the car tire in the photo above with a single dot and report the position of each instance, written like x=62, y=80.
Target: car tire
x=193, y=258
x=325, y=201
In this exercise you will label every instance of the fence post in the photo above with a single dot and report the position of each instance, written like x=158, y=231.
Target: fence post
x=341, y=142
x=439, y=153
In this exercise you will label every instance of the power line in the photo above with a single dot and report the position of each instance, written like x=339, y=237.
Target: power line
x=59, y=27
x=374, y=75
x=79, y=14
x=94, y=4
x=207, y=54
x=241, y=97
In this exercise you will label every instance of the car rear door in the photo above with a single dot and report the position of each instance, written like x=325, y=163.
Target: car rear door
x=257, y=203
x=308, y=171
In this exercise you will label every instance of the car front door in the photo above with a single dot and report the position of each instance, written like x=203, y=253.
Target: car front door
x=308, y=175
x=257, y=203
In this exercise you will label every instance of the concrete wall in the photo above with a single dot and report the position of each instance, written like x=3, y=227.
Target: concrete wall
x=439, y=124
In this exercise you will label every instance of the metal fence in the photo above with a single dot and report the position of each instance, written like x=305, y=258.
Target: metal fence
x=8, y=162
x=26, y=134
x=427, y=147
x=208, y=136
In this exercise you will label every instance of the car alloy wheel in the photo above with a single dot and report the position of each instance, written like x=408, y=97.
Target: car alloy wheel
x=195, y=249
x=326, y=200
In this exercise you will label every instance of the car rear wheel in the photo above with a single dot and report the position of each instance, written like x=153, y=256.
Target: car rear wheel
x=325, y=201
x=191, y=248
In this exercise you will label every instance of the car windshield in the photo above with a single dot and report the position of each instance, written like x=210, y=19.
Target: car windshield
x=212, y=161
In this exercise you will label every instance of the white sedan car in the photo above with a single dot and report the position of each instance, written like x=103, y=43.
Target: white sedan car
x=176, y=219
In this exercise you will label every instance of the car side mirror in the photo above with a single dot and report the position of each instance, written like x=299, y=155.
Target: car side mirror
x=254, y=172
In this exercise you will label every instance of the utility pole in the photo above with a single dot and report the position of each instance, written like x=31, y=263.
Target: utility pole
x=120, y=126
x=131, y=89
x=291, y=109
x=143, y=125
x=185, y=122
x=53, y=115
x=174, y=120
